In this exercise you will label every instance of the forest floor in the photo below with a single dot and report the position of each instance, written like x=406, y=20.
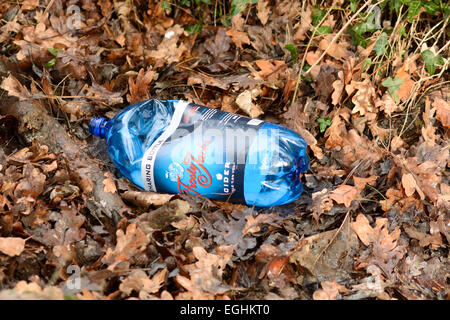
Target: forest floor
x=365, y=83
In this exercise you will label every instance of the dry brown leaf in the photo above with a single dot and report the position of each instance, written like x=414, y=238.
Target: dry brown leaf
x=15, y=88
x=321, y=203
x=270, y=68
x=397, y=143
x=100, y=94
x=33, y=184
x=139, y=88
x=336, y=50
x=205, y=274
x=12, y=246
x=262, y=11
x=330, y=290
x=237, y=22
x=253, y=223
x=360, y=183
x=409, y=184
x=128, y=244
x=407, y=85
x=67, y=229
x=141, y=283
x=442, y=111
x=364, y=97
x=434, y=239
x=312, y=57
x=30, y=4
x=387, y=104
x=303, y=25
x=31, y=291
x=336, y=131
x=146, y=198
x=168, y=51
x=344, y=194
x=338, y=86
x=110, y=185
x=238, y=37
x=363, y=229
x=385, y=250
x=245, y=101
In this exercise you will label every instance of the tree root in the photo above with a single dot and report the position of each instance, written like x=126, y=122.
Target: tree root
x=34, y=121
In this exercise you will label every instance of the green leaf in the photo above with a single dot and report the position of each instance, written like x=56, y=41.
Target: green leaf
x=53, y=51
x=324, y=30
x=324, y=123
x=401, y=31
x=354, y=5
x=431, y=7
x=198, y=2
x=431, y=60
x=239, y=5
x=393, y=86
x=367, y=26
x=366, y=64
x=293, y=50
x=395, y=5
x=380, y=46
x=317, y=15
x=185, y=3
x=194, y=28
x=413, y=9
x=51, y=63
x=165, y=5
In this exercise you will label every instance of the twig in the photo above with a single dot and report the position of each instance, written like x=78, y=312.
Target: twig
x=329, y=46
x=332, y=239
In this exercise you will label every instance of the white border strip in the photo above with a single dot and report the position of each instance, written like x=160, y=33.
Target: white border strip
x=148, y=161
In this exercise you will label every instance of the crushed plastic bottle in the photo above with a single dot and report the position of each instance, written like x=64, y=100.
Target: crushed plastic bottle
x=174, y=146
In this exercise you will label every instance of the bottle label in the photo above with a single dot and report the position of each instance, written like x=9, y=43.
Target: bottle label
x=203, y=151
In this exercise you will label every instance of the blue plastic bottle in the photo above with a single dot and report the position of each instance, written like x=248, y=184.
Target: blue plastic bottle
x=173, y=146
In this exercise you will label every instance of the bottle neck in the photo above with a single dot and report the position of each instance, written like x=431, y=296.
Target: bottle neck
x=99, y=127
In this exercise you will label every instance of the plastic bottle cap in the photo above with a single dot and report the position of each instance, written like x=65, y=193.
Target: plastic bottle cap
x=98, y=127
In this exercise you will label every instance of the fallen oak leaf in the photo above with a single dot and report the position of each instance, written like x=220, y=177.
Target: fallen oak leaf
x=303, y=25
x=364, y=97
x=387, y=104
x=435, y=239
x=338, y=88
x=128, y=244
x=110, y=185
x=29, y=5
x=442, y=111
x=12, y=246
x=253, y=223
x=245, y=101
x=321, y=203
x=140, y=282
x=168, y=51
x=238, y=37
x=206, y=273
x=410, y=185
x=406, y=86
x=385, y=251
x=15, y=88
x=330, y=290
x=262, y=11
x=336, y=50
x=360, y=183
x=139, y=87
x=344, y=194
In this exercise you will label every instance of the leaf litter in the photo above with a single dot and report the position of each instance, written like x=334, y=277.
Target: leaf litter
x=373, y=222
